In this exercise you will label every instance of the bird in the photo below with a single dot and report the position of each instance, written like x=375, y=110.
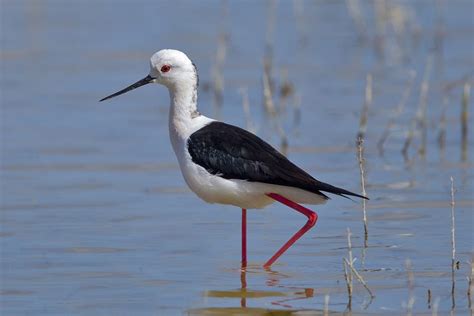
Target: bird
x=226, y=164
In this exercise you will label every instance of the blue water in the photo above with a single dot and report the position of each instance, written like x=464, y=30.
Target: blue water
x=96, y=219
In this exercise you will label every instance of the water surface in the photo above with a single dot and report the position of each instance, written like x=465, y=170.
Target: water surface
x=95, y=216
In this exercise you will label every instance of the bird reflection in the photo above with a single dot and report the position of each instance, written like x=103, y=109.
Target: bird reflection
x=243, y=287
x=275, y=293
x=273, y=280
x=297, y=292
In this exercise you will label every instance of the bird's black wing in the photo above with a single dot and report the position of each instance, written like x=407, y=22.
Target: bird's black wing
x=233, y=153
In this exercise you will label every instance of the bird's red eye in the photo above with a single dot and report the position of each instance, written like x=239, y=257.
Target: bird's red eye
x=165, y=68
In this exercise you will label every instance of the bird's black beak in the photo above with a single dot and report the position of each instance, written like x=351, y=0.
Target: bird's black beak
x=137, y=84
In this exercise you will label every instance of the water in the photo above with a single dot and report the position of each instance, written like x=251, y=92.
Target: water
x=96, y=218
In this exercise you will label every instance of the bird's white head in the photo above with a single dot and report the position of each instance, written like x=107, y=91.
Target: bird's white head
x=169, y=67
x=172, y=67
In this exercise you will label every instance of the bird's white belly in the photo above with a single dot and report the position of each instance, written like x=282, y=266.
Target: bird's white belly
x=214, y=189
x=244, y=194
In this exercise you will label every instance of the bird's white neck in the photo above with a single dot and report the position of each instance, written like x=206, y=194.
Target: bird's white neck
x=183, y=109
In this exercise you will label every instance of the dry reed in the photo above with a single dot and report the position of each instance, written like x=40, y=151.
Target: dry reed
x=470, y=285
x=453, y=245
x=347, y=270
x=442, y=128
x=286, y=90
x=349, y=249
x=419, y=121
x=268, y=94
x=360, y=146
x=218, y=67
x=296, y=110
x=350, y=271
x=326, y=305
x=411, y=286
x=464, y=120
x=434, y=311
x=353, y=6
x=364, y=115
x=348, y=284
x=359, y=277
x=397, y=112
x=246, y=108
x=429, y=298
x=301, y=22
x=268, y=55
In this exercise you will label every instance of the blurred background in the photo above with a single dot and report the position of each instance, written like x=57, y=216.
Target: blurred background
x=96, y=218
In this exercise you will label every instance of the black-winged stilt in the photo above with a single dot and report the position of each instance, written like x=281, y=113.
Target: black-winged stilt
x=225, y=164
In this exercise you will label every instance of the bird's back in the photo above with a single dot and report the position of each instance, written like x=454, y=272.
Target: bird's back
x=233, y=153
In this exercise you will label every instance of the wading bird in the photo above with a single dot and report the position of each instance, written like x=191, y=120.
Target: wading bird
x=225, y=164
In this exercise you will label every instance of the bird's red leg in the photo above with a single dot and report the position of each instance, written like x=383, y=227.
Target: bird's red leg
x=312, y=218
x=244, y=238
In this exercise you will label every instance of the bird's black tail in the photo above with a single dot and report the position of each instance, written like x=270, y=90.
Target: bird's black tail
x=338, y=191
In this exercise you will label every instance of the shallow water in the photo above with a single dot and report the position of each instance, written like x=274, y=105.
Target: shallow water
x=96, y=219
